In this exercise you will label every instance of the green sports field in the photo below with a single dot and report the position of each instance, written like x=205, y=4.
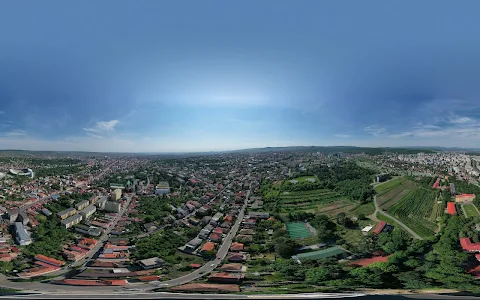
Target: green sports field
x=298, y=230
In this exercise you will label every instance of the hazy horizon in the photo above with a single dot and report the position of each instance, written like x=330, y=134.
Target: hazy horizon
x=152, y=76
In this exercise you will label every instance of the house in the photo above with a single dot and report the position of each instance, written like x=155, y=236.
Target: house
x=46, y=212
x=22, y=237
x=151, y=263
x=226, y=277
x=246, y=231
x=250, y=222
x=468, y=246
x=12, y=215
x=207, y=247
x=217, y=217
x=193, y=244
x=236, y=247
x=205, y=231
x=236, y=257
x=215, y=237
x=193, y=221
x=49, y=260
x=233, y=267
x=379, y=227
x=150, y=227
x=244, y=238
x=205, y=220
x=259, y=215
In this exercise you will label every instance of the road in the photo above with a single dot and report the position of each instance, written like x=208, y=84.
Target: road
x=137, y=295
x=378, y=209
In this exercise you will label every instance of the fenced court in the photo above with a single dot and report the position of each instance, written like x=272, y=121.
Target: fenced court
x=298, y=230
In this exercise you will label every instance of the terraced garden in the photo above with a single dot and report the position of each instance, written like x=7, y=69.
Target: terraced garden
x=381, y=188
x=395, y=193
x=417, y=210
x=307, y=199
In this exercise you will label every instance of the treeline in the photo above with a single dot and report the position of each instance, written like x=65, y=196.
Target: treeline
x=348, y=179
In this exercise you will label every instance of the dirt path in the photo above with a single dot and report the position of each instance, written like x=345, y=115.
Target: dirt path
x=378, y=209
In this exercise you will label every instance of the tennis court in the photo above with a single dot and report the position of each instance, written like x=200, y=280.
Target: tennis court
x=298, y=230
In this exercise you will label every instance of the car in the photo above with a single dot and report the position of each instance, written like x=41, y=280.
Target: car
x=212, y=265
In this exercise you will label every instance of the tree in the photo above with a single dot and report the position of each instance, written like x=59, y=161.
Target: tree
x=285, y=247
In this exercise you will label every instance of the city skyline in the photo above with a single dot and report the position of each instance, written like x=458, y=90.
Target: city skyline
x=153, y=77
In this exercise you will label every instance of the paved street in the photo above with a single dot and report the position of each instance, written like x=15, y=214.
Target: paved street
x=378, y=209
x=122, y=295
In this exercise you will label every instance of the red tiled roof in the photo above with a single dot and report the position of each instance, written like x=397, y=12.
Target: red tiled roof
x=379, y=227
x=49, y=260
x=208, y=246
x=467, y=245
x=149, y=278
x=196, y=266
x=236, y=246
x=451, y=209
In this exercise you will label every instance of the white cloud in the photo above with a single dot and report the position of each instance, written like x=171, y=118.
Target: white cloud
x=103, y=127
x=343, y=136
x=375, y=130
x=16, y=132
x=460, y=120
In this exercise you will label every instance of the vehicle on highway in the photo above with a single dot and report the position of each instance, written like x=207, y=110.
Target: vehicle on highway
x=212, y=265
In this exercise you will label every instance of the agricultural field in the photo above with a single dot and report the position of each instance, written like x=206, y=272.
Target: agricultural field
x=334, y=208
x=306, y=200
x=419, y=210
x=470, y=210
x=383, y=187
x=394, y=193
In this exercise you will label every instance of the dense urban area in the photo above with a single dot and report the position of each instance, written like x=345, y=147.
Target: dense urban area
x=269, y=221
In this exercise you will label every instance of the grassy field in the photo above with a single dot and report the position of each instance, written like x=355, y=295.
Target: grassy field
x=470, y=210
x=365, y=209
x=416, y=209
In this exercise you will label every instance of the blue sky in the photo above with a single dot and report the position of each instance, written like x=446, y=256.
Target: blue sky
x=217, y=75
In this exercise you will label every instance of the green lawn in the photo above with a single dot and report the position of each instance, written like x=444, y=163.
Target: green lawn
x=471, y=210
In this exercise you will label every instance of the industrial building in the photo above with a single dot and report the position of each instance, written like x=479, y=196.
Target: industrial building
x=21, y=235
x=73, y=220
